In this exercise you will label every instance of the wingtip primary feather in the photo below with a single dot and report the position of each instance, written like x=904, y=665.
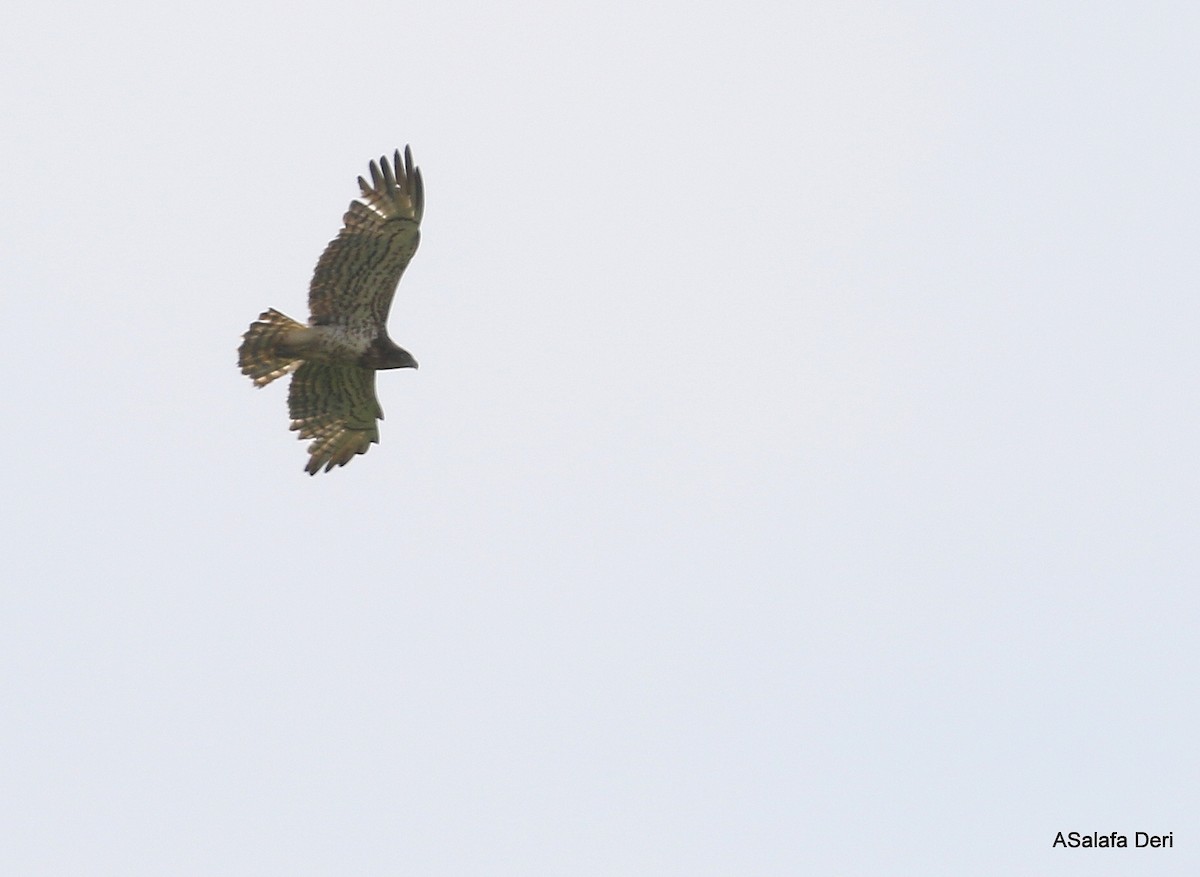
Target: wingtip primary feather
x=376, y=176
x=401, y=174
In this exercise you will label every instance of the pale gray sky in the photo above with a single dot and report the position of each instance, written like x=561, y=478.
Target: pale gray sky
x=801, y=476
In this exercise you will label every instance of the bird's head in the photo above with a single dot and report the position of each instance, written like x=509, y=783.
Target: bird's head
x=404, y=359
x=385, y=353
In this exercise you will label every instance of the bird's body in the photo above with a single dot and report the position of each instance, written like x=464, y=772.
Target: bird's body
x=333, y=359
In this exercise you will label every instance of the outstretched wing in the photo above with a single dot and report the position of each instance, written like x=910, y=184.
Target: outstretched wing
x=357, y=274
x=334, y=405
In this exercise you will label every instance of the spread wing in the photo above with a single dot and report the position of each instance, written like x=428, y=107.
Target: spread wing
x=357, y=274
x=334, y=405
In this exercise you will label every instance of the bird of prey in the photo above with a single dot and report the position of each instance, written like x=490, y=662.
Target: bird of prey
x=334, y=358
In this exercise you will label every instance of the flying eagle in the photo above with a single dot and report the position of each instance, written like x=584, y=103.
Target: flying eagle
x=334, y=358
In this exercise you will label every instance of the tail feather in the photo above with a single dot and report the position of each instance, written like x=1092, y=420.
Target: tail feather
x=260, y=355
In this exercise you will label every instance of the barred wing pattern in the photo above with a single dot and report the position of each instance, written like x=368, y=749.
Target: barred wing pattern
x=333, y=359
x=336, y=406
x=356, y=277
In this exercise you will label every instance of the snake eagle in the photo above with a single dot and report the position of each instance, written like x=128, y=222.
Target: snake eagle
x=334, y=358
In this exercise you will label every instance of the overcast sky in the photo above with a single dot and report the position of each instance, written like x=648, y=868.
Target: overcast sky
x=801, y=476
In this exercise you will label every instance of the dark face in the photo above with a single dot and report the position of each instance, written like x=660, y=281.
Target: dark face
x=402, y=359
x=385, y=354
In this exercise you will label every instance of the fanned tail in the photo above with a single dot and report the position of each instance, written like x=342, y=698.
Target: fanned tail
x=262, y=355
